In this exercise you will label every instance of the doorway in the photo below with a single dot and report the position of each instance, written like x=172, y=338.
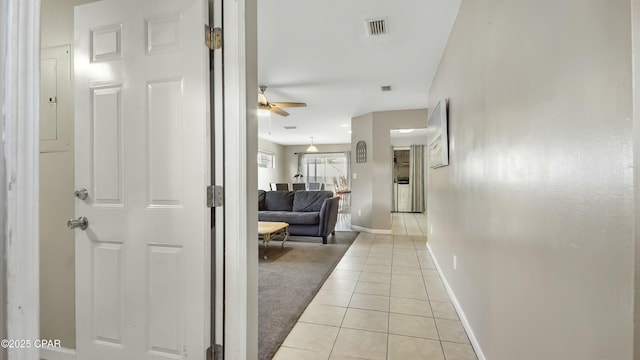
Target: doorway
x=401, y=183
x=57, y=249
x=20, y=136
x=163, y=196
x=408, y=170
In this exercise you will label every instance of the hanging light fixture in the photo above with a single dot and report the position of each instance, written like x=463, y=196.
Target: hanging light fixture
x=312, y=147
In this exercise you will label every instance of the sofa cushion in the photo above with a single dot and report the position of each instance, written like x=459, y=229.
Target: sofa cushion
x=291, y=217
x=261, y=198
x=310, y=200
x=278, y=201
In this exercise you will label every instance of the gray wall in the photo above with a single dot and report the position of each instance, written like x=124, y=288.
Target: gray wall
x=537, y=202
x=372, y=191
x=57, y=249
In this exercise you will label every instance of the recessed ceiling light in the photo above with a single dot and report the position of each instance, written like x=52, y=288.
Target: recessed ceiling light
x=344, y=125
x=349, y=132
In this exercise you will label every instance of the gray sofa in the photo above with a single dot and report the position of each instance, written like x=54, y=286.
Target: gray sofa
x=308, y=213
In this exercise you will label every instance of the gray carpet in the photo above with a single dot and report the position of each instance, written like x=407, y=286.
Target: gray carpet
x=289, y=280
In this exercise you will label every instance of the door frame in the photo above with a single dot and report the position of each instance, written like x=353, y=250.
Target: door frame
x=241, y=178
x=20, y=50
x=20, y=60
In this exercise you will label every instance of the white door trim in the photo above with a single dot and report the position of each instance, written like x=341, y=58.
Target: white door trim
x=20, y=32
x=241, y=179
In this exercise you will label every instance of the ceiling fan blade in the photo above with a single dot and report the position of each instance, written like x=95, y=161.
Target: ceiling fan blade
x=263, y=104
x=262, y=100
x=289, y=104
x=279, y=111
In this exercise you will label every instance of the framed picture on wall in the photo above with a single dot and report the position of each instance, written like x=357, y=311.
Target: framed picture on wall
x=437, y=136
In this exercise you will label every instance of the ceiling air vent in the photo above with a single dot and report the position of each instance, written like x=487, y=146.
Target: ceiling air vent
x=376, y=27
x=385, y=88
x=290, y=127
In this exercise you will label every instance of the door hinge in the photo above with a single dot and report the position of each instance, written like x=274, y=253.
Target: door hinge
x=213, y=37
x=215, y=196
x=214, y=352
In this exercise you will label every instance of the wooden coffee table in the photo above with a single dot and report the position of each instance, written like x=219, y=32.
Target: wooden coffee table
x=268, y=230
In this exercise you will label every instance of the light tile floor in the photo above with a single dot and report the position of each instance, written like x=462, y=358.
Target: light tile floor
x=384, y=300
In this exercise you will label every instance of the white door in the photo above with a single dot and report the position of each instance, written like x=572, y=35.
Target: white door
x=143, y=266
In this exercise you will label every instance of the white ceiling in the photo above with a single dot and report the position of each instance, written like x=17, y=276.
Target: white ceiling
x=319, y=52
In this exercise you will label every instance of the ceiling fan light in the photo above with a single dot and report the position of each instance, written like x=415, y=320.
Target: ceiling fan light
x=263, y=112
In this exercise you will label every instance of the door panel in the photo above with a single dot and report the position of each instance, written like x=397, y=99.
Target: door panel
x=106, y=122
x=143, y=266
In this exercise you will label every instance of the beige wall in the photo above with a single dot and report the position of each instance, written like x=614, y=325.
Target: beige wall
x=537, y=202
x=57, y=259
x=635, y=4
x=371, y=197
x=276, y=174
x=250, y=34
x=287, y=161
x=362, y=173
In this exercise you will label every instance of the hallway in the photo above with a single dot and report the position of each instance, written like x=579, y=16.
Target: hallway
x=385, y=301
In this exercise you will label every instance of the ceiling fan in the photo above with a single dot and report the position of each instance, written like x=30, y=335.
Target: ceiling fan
x=275, y=107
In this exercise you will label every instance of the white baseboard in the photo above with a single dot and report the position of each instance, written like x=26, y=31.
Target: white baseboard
x=372, y=231
x=57, y=354
x=461, y=314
